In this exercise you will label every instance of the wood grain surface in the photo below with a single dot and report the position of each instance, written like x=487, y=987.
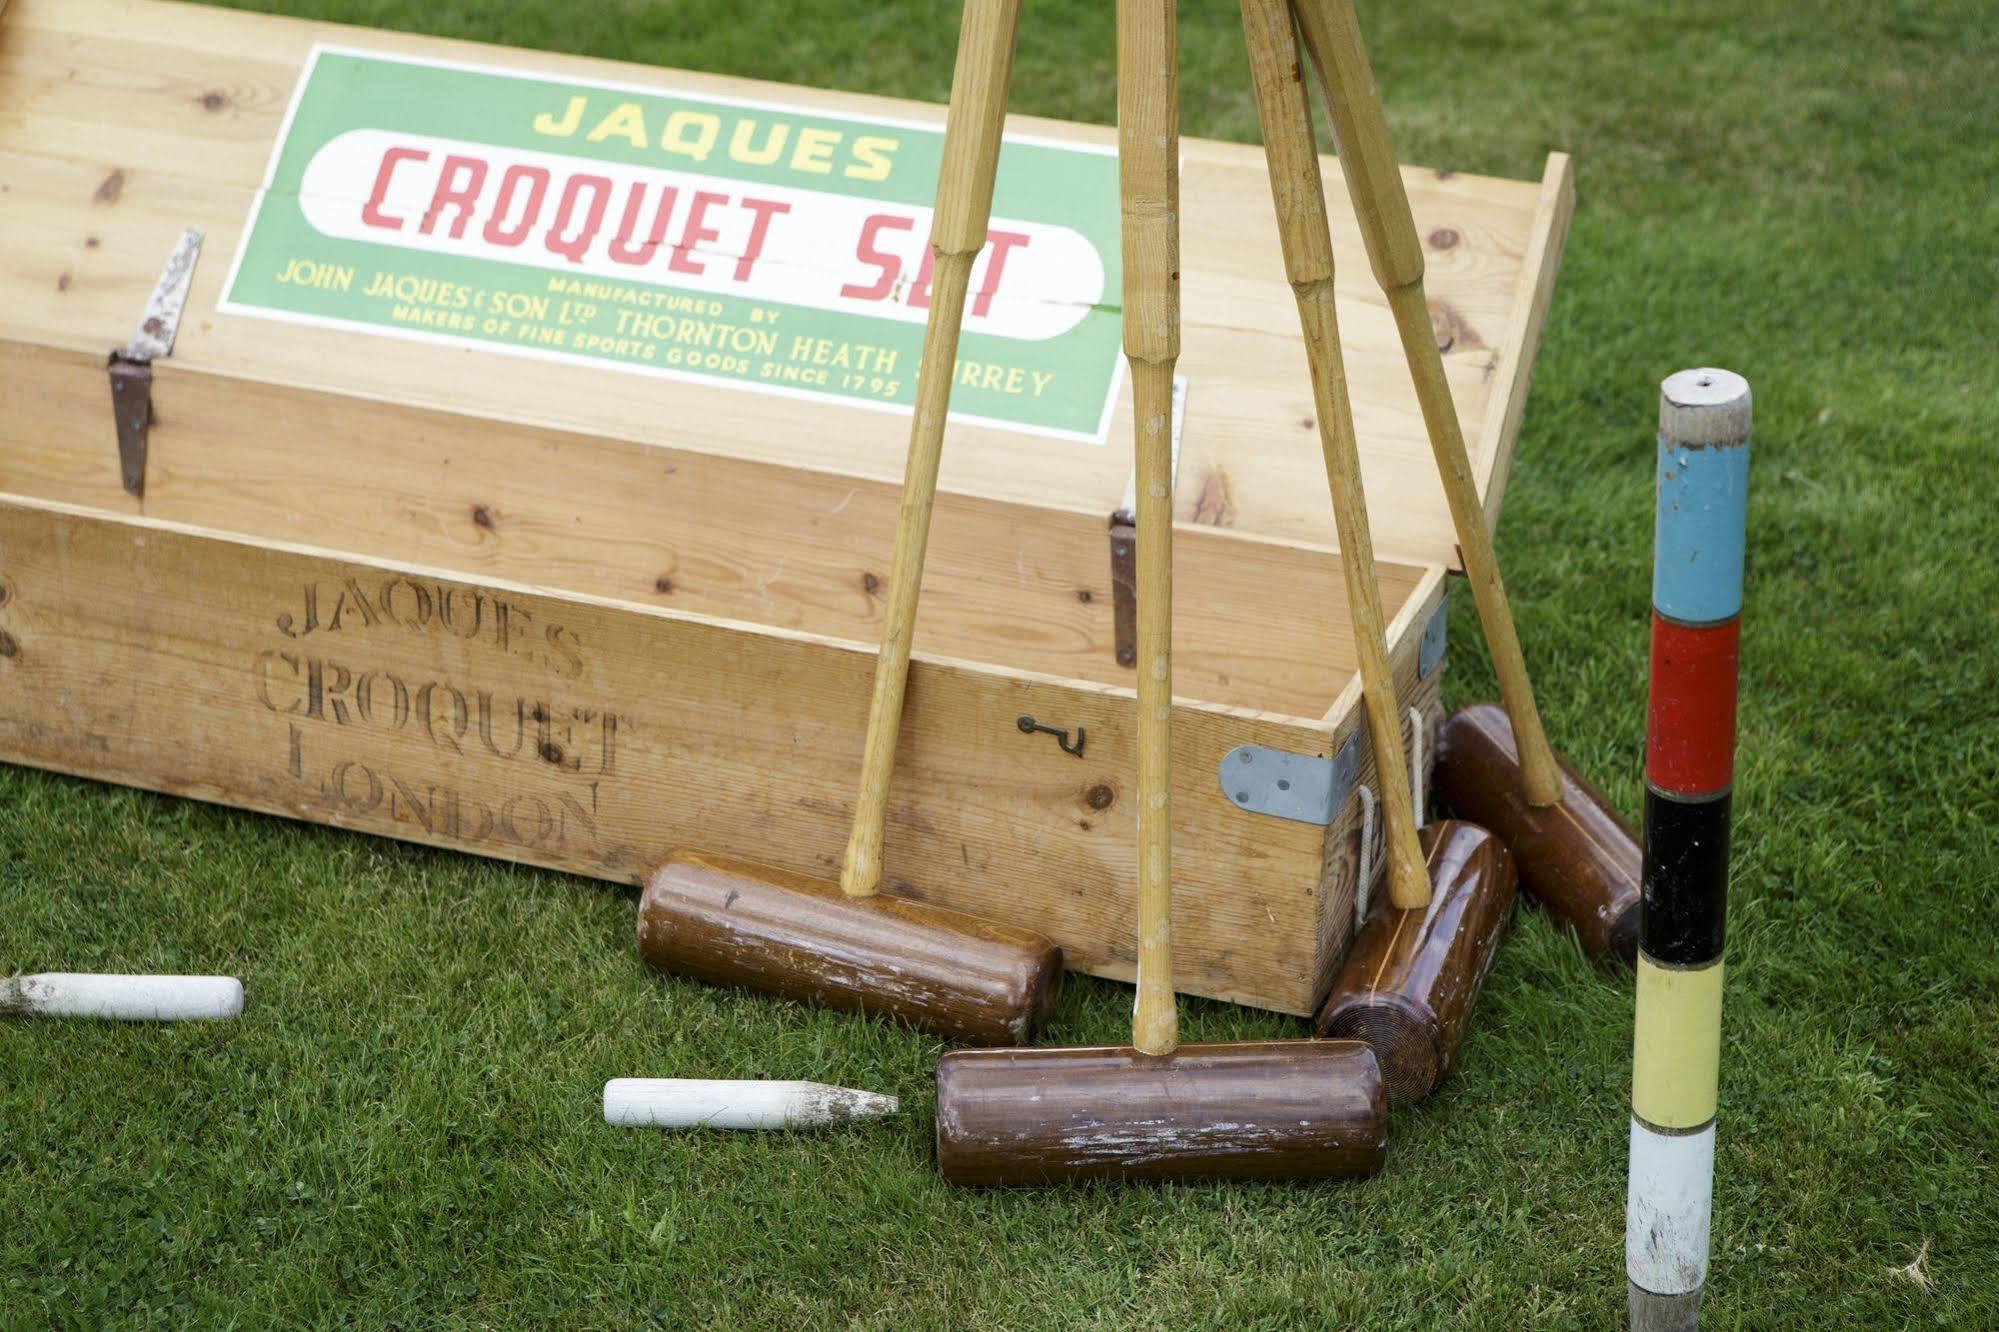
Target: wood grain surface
x=593, y=736
x=123, y=122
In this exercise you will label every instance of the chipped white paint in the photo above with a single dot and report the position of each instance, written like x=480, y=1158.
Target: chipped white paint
x=1135, y=1142
x=736, y=1104
x=1666, y=1221
x=123, y=998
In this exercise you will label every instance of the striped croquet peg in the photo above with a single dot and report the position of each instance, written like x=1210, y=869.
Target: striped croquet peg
x=1689, y=769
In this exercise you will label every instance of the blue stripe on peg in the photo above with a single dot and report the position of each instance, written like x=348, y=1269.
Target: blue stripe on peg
x=1703, y=496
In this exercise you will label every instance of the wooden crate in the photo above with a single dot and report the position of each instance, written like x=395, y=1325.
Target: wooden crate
x=564, y=613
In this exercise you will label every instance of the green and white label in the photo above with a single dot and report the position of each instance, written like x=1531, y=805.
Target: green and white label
x=779, y=249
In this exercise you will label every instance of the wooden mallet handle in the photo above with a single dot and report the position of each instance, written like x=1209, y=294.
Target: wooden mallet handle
x=1148, y=55
x=1374, y=180
x=957, y=234
x=1299, y=195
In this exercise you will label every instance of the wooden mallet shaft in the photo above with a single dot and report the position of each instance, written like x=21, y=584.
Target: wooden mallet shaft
x=1374, y=180
x=1148, y=57
x=972, y=131
x=1299, y=194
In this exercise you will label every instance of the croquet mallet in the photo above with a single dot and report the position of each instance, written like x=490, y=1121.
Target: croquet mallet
x=1307, y=242
x=1573, y=852
x=1417, y=965
x=847, y=945
x=1156, y=1109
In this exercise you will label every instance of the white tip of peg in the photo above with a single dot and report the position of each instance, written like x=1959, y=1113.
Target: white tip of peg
x=723, y=1104
x=123, y=998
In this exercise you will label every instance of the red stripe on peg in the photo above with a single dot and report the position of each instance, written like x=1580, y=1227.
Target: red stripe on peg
x=1690, y=728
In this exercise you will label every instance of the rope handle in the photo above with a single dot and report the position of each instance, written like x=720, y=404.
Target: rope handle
x=1369, y=809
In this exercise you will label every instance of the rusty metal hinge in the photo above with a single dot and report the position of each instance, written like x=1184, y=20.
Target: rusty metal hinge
x=131, y=366
x=1124, y=544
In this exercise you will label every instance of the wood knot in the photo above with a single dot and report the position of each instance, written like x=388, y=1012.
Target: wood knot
x=1100, y=796
x=213, y=100
x=91, y=242
x=870, y=584
x=1443, y=238
x=9, y=645
x=551, y=752
x=1084, y=595
x=111, y=187
x=1451, y=330
x=62, y=281
x=1212, y=504
x=663, y=585
x=482, y=517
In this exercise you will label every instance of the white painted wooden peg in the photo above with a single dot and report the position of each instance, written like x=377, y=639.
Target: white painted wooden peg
x=725, y=1104
x=124, y=998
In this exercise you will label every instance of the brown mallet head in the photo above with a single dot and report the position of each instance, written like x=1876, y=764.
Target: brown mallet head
x=1254, y=1110
x=1576, y=857
x=1410, y=981
x=735, y=922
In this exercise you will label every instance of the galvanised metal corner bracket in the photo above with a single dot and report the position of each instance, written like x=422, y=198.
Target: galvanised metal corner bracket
x=1303, y=787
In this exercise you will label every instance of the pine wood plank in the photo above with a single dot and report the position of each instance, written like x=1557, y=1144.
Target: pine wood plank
x=1262, y=622
x=1494, y=450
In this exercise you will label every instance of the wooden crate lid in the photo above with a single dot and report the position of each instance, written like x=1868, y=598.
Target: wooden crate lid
x=124, y=121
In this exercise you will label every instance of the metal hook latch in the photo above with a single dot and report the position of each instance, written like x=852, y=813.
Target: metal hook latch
x=1029, y=726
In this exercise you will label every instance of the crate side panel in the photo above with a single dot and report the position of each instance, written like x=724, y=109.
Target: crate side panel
x=591, y=736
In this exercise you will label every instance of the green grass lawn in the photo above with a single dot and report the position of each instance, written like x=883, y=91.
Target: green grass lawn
x=404, y=1130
